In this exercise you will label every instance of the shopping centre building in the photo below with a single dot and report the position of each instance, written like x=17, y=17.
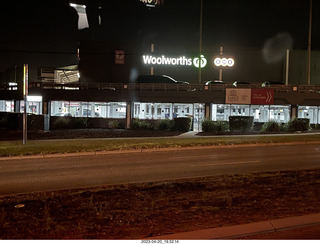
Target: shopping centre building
x=101, y=84
x=166, y=101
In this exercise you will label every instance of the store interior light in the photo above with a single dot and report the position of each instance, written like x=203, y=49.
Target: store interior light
x=34, y=98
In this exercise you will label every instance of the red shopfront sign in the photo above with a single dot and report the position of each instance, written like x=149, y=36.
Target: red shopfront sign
x=119, y=57
x=262, y=96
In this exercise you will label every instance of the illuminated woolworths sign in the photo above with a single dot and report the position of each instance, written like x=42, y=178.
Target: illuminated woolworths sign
x=224, y=62
x=151, y=3
x=182, y=61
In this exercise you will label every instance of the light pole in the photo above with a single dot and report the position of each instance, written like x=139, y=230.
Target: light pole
x=25, y=94
x=220, y=70
x=309, y=47
x=200, y=41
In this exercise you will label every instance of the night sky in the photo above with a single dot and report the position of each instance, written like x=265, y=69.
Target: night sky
x=52, y=25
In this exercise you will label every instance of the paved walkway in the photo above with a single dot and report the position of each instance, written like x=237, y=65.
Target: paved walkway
x=232, y=232
x=192, y=134
x=188, y=134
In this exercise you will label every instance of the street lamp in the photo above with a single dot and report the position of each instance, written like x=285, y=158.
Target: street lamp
x=200, y=40
x=309, y=46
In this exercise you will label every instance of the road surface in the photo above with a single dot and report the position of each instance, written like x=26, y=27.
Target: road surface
x=20, y=175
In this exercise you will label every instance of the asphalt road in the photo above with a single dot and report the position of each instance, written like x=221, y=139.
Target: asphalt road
x=19, y=175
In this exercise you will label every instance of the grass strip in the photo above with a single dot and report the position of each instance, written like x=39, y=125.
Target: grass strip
x=36, y=147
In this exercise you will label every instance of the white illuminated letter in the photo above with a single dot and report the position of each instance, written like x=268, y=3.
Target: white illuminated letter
x=230, y=62
x=217, y=62
x=146, y=59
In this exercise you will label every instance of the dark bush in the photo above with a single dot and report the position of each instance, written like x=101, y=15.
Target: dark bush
x=113, y=124
x=298, y=124
x=3, y=120
x=271, y=126
x=137, y=124
x=61, y=123
x=164, y=125
x=79, y=123
x=182, y=124
x=215, y=126
x=13, y=120
x=241, y=123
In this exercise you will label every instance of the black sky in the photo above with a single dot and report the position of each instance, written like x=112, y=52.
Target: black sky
x=51, y=26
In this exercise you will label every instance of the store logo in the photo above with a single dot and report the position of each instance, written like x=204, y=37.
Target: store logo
x=183, y=61
x=203, y=62
x=150, y=3
x=224, y=62
x=163, y=60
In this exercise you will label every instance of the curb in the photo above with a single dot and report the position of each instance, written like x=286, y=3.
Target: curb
x=231, y=232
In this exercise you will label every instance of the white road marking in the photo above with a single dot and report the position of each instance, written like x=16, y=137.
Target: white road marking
x=227, y=163
x=200, y=156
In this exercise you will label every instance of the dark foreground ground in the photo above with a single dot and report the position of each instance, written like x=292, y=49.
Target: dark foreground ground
x=137, y=211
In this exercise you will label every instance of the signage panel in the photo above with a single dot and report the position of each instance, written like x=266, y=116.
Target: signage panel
x=224, y=62
x=262, y=96
x=238, y=96
x=250, y=96
x=119, y=57
x=174, y=61
x=151, y=3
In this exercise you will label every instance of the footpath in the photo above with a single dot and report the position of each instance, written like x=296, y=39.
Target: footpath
x=232, y=232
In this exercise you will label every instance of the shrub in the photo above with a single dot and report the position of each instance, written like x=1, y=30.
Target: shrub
x=137, y=124
x=298, y=124
x=164, y=125
x=182, y=124
x=3, y=119
x=113, y=124
x=271, y=126
x=61, y=123
x=144, y=125
x=69, y=123
x=241, y=123
x=215, y=126
x=79, y=123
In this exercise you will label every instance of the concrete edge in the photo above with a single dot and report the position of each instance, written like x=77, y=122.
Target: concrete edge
x=231, y=232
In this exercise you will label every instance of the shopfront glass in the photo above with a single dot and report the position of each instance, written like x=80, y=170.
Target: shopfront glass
x=309, y=112
x=279, y=113
x=261, y=113
x=6, y=106
x=152, y=110
x=116, y=110
x=157, y=111
x=34, y=105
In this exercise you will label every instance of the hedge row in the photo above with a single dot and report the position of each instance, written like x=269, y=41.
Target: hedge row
x=61, y=123
x=296, y=124
x=178, y=124
x=245, y=124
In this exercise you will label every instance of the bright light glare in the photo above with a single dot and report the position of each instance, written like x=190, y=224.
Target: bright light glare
x=34, y=98
x=224, y=62
x=81, y=10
